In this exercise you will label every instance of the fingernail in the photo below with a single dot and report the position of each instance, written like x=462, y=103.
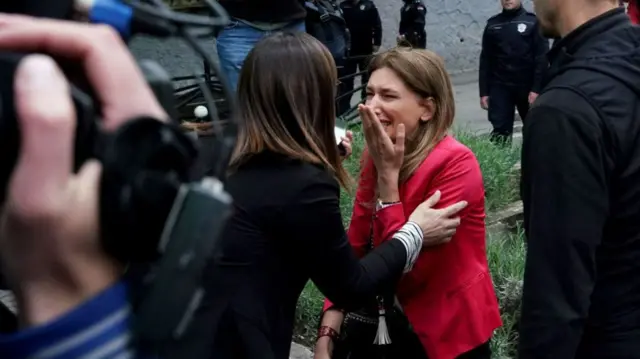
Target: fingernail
x=39, y=72
x=42, y=92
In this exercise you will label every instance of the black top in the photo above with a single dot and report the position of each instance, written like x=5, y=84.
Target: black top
x=269, y=11
x=513, y=51
x=287, y=229
x=581, y=193
x=363, y=21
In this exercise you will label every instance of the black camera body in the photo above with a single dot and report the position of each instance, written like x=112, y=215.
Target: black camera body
x=152, y=214
x=149, y=159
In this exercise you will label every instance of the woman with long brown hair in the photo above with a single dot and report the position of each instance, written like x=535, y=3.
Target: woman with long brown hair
x=445, y=307
x=287, y=227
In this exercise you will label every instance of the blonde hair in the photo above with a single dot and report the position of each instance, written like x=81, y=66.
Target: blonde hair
x=424, y=73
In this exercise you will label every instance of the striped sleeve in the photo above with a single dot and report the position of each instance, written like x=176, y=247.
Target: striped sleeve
x=99, y=328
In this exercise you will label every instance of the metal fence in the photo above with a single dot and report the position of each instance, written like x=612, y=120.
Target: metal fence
x=190, y=96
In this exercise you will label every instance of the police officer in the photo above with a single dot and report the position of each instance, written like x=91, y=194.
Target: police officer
x=363, y=21
x=326, y=23
x=412, y=24
x=512, y=66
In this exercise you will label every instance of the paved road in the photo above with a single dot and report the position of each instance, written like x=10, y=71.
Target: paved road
x=469, y=115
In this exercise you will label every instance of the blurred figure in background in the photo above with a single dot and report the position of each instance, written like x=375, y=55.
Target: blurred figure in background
x=326, y=23
x=363, y=21
x=412, y=30
x=252, y=20
x=512, y=66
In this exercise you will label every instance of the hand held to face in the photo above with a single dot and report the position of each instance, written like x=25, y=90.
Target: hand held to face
x=438, y=225
x=386, y=154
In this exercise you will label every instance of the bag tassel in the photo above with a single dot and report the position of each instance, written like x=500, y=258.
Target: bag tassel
x=382, y=336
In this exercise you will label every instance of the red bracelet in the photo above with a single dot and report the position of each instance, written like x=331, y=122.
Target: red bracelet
x=326, y=331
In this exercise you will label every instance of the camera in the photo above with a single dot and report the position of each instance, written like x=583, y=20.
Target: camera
x=154, y=217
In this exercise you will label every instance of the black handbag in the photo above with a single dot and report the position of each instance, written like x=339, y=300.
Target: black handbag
x=361, y=331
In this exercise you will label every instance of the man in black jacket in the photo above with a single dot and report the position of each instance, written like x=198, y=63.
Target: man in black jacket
x=364, y=25
x=581, y=188
x=512, y=64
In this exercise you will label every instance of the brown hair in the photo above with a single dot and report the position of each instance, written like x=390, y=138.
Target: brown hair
x=286, y=103
x=424, y=73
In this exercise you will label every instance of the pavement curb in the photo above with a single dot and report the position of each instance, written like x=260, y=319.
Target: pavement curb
x=300, y=352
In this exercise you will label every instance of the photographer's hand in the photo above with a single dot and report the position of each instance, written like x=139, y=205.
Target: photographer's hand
x=49, y=225
x=49, y=241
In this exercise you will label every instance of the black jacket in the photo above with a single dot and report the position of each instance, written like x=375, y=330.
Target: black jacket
x=270, y=11
x=325, y=22
x=286, y=229
x=581, y=194
x=413, y=21
x=513, y=51
x=364, y=25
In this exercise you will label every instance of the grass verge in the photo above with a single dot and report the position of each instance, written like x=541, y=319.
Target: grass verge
x=505, y=252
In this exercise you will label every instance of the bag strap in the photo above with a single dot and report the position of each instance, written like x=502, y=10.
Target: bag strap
x=324, y=17
x=396, y=301
x=373, y=217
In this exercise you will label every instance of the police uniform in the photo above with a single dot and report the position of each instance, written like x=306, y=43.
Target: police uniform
x=512, y=64
x=363, y=22
x=412, y=23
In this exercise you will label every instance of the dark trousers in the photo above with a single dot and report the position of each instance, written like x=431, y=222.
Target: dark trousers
x=481, y=352
x=418, y=40
x=503, y=100
x=352, y=66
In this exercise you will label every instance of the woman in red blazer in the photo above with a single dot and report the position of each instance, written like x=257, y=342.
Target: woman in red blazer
x=448, y=296
x=633, y=11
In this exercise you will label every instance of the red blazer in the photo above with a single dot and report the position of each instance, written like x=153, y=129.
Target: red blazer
x=449, y=296
x=633, y=11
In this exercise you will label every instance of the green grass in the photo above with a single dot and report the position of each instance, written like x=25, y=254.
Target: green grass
x=505, y=253
x=496, y=163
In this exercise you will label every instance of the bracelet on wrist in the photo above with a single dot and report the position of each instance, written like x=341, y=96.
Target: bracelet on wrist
x=382, y=205
x=327, y=331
